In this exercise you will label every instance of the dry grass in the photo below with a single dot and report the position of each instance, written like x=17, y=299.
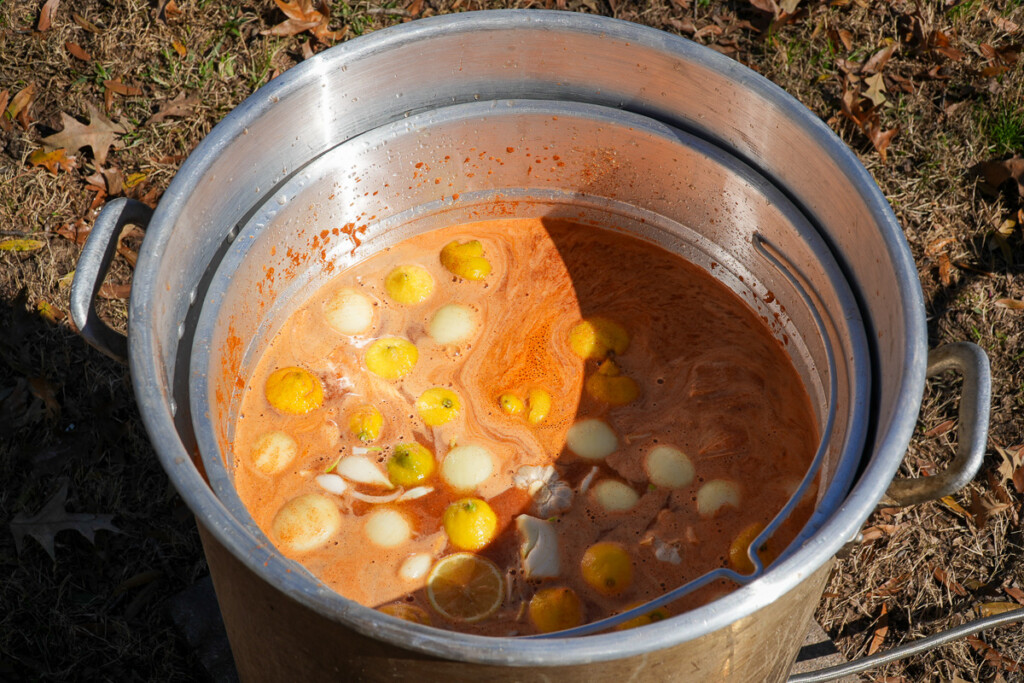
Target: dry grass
x=96, y=612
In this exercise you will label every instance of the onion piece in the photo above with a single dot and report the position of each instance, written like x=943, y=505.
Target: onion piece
x=306, y=522
x=362, y=471
x=592, y=439
x=273, y=452
x=716, y=494
x=615, y=496
x=387, y=528
x=375, y=500
x=349, y=312
x=452, y=324
x=588, y=480
x=538, y=547
x=415, y=566
x=669, y=467
x=418, y=492
x=466, y=467
x=332, y=483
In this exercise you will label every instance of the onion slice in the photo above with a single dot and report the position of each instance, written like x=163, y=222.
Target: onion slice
x=362, y=471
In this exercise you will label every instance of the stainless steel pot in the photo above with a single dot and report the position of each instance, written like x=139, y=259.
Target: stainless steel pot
x=659, y=137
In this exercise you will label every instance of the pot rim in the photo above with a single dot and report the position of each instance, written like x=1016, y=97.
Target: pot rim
x=155, y=400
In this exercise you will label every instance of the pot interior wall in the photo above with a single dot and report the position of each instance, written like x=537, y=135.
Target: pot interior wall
x=532, y=159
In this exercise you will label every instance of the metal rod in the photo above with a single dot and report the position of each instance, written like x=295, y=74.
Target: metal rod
x=916, y=647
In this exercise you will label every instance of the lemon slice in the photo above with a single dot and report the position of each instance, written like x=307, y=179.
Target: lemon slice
x=465, y=587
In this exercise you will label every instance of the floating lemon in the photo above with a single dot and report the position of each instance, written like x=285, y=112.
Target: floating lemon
x=596, y=337
x=540, y=405
x=365, y=423
x=608, y=384
x=410, y=464
x=738, y=557
x=294, y=391
x=607, y=568
x=306, y=522
x=404, y=610
x=465, y=587
x=555, y=609
x=409, y=285
x=466, y=260
x=438, y=405
x=511, y=404
x=391, y=357
x=273, y=451
x=658, y=614
x=470, y=524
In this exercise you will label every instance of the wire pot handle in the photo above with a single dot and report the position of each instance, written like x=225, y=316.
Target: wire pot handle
x=972, y=435
x=92, y=268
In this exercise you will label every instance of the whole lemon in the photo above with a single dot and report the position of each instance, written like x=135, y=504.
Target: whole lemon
x=470, y=523
x=607, y=568
x=294, y=391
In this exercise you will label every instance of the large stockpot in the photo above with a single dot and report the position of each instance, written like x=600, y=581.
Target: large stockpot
x=660, y=137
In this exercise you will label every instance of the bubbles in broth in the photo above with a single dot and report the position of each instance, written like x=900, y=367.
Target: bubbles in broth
x=519, y=426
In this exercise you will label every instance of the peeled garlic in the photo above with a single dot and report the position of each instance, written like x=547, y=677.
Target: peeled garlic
x=349, y=312
x=362, y=471
x=274, y=451
x=466, y=467
x=592, y=439
x=306, y=522
x=387, y=528
x=615, y=496
x=716, y=494
x=415, y=567
x=332, y=483
x=669, y=467
x=538, y=547
x=452, y=324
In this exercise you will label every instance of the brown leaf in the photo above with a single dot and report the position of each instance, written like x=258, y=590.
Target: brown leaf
x=846, y=38
x=945, y=270
x=992, y=656
x=951, y=503
x=878, y=637
x=85, y=23
x=1015, y=593
x=891, y=586
x=100, y=135
x=880, y=139
x=414, y=8
x=875, y=89
x=20, y=105
x=52, y=161
x=998, y=171
x=77, y=232
x=878, y=60
x=121, y=89
x=5, y=97
x=44, y=391
x=684, y=25
x=54, y=518
x=939, y=429
x=1003, y=24
x=766, y=6
x=179, y=47
x=179, y=106
x=77, y=52
x=990, y=609
x=50, y=313
x=982, y=508
x=1012, y=304
x=112, y=291
x=166, y=10
x=949, y=582
x=46, y=15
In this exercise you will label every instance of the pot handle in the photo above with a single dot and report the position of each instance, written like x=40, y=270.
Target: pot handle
x=970, y=360
x=92, y=268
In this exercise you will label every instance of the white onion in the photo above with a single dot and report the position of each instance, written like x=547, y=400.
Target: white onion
x=274, y=451
x=418, y=492
x=588, y=480
x=415, y=567
x=349, y=312
x=669, y=467
x=538, y=547
x=387, y=528
x=306, y=522
x=374, y=500
x=362, y=471
x=715, y=494
x=466, y=467
x=592, y=439
x=615, y=496
x=452, y=324
x=332, y=483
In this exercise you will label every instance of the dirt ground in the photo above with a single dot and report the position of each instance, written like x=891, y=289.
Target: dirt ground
x=930, y=96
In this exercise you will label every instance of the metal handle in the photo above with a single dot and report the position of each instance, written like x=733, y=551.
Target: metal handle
x=92, y=268
x=972, y=434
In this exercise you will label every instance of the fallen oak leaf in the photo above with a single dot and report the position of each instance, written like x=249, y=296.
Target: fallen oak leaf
x=1012, y=304
x=990, y=609
x=877, y=61
x=179, y=106
x=54, y=518
x=52, y=161
x=949, y=582
x=77, y=232
x=20, y=104
x=1015, y=593
x=5, y=97
x=982, y=508
x=878, y=636
x=100, y=135
x=77, y=51
x=992, y=656
x=50, y=313
x=121, y=89
x=46, y=15
x=995, y=172
x=875, y=89
x=165, y=10
x=112, y=291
